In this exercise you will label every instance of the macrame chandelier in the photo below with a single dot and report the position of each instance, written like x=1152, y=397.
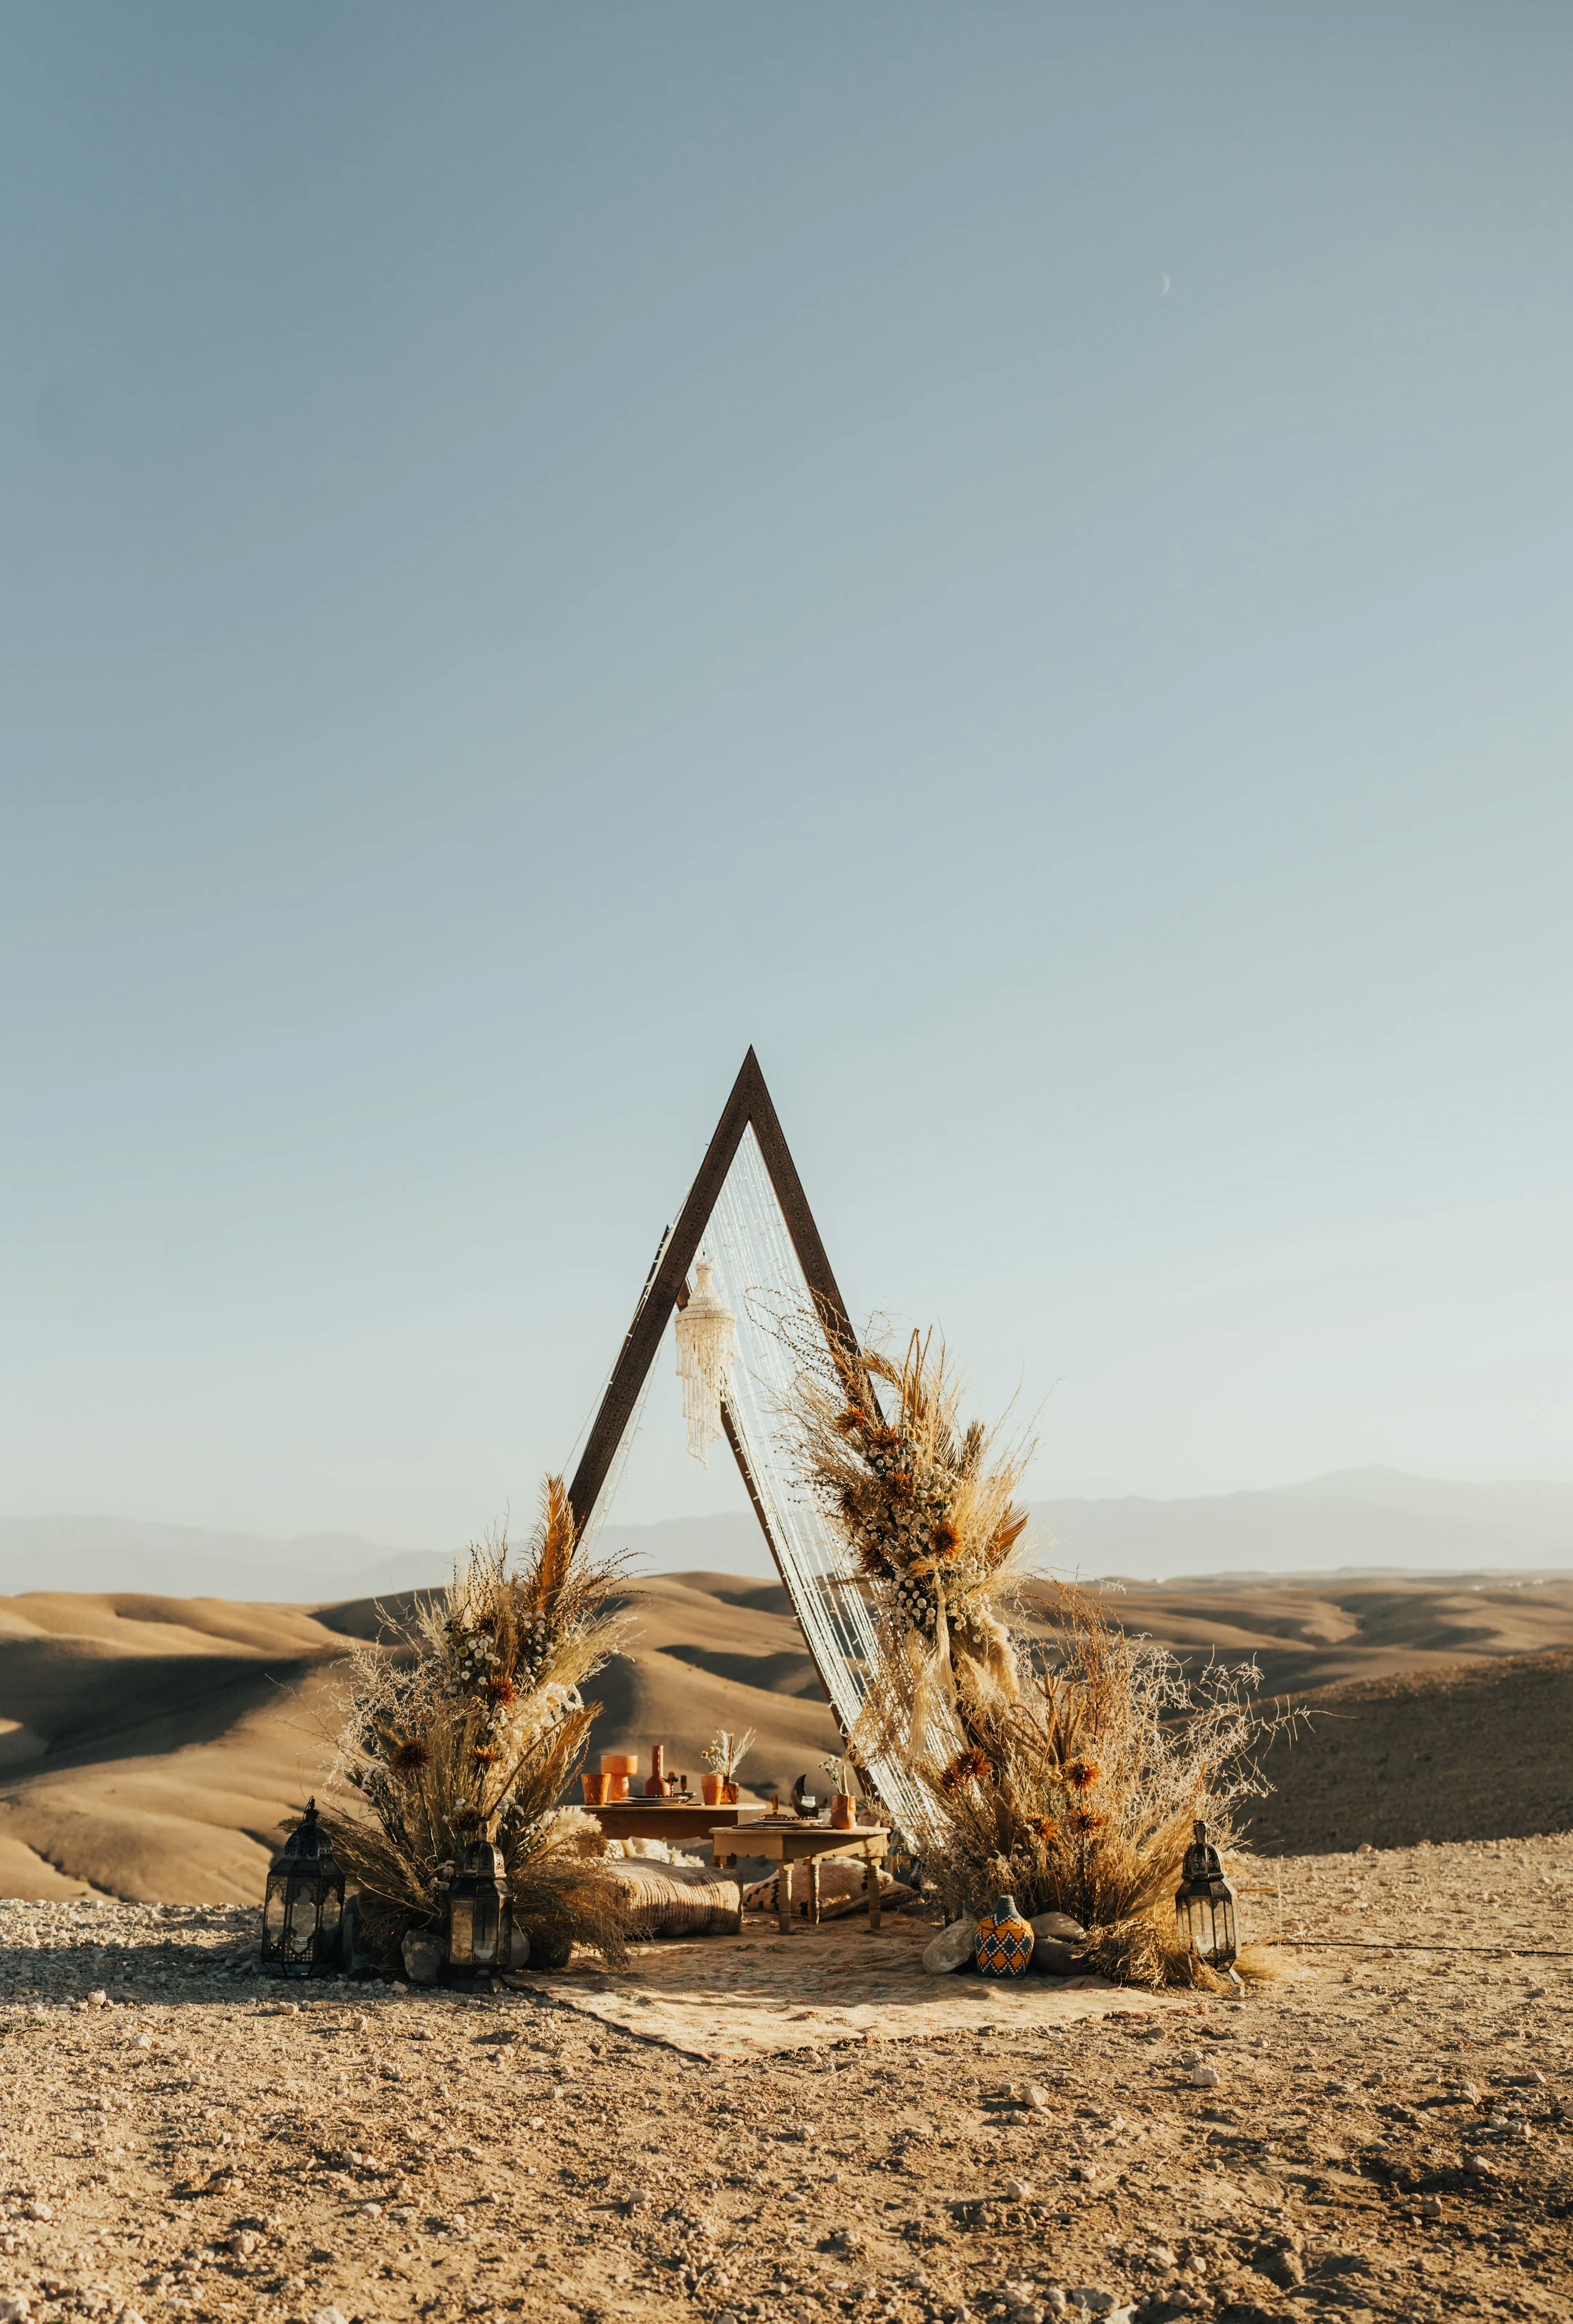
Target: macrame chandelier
x=705, y=1343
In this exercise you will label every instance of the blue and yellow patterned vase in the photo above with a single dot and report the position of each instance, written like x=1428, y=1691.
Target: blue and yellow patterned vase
x=1003, y=1945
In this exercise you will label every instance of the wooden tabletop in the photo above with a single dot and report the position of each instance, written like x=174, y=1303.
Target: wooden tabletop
x=677, y=1820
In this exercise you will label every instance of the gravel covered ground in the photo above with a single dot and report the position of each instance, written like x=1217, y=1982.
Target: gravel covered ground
x=1386, y=2136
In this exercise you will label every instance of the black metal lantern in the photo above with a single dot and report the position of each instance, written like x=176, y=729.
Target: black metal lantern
x=1204, y=1905
x=480, y=1911
x=303, y=1909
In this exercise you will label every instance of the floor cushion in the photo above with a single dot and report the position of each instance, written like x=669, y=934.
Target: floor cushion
x=677, y=1900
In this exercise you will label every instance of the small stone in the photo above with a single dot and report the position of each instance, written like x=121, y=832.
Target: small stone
x=14, y=2307
x=1204, y=2077
x=1161, y=2255
x=1057, y=1941
x=99, y=2000
x=1018, y=2190
x=951, y=1949
x=1477, y=2165
x=637, y=2197
x=128, y=2316
x=1091, y=2299
x=1430, y=2208
x=1037, y=2098
x=329, y=2316
x=142, y=2041
x=371, y=2210
x=37, y=2212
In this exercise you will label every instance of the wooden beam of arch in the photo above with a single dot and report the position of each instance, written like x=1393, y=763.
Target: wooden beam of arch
x=749, y=1106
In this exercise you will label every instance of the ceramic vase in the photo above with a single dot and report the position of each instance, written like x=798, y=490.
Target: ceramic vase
x=729, y=1792
x=594, y=1790
x=841, y=1811
x=656, y=1781
x=1003, y=1946
x=710, y=1790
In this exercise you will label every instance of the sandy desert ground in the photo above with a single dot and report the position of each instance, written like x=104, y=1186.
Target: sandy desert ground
x=1387, y=2136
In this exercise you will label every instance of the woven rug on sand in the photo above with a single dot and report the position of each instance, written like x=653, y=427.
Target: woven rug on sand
x=760, y=1993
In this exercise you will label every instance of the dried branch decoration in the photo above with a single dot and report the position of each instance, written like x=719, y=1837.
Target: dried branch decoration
x=468, y=1720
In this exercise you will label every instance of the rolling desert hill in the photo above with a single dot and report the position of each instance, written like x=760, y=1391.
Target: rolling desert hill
x=150, y=1745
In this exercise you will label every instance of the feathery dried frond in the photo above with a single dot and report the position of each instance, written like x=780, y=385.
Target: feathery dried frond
x=468, y=1720
x=928, y=1511
x=1081, y=1793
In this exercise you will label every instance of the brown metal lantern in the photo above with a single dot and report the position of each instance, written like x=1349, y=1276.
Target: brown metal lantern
x=303, y=1906
x=480, y=1911
x=1204, y=1905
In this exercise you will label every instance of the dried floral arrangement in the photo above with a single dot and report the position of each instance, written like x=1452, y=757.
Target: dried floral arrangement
x=1068, y=1767
x=468, y=1720
x=1079, y=1795
x=726, y=1755
x=928, y=1509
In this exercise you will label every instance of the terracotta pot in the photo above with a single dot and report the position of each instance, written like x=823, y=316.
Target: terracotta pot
x=841, y=1811
x=710, y=1790
x=594, y=1790
x=616, y=1788
x=620, y=1763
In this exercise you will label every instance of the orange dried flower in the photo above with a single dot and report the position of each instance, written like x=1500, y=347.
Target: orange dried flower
x=1046, y=1827
x=1082, y=1774
x=1084, y=1822
x=967, y=1767
x=943, y=1538
x=501, y=1689
x=484, y=1755
x=408, y=1755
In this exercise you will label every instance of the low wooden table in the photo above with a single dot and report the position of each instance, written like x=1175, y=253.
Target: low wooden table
x=676, y=1821
x=810, y=1844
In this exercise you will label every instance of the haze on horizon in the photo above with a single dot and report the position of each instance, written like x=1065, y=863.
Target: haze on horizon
x=1020, y=562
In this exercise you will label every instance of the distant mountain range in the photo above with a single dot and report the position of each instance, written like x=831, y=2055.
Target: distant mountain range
x=1369, y=1519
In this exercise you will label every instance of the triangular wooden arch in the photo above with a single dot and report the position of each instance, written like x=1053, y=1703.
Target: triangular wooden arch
x=749, y=1106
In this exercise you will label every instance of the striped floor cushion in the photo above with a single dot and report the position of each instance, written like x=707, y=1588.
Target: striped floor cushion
x=679, y=1900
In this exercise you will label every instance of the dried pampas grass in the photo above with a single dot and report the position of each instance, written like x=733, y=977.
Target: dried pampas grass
x=1079, y=1794
x=928, y=1509
x=467, y=1721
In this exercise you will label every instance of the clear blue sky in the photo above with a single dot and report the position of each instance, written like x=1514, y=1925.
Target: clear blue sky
x=1019, y=558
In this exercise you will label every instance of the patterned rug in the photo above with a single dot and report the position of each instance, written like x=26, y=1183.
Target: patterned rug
x=756, y=1994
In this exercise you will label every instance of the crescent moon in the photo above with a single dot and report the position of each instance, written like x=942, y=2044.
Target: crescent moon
x=1164, y=291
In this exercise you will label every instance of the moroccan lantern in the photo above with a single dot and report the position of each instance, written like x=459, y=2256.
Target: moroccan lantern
x=303, y=1908
x=705, y=1344
x=480, y=1911
x=1204, y=1905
